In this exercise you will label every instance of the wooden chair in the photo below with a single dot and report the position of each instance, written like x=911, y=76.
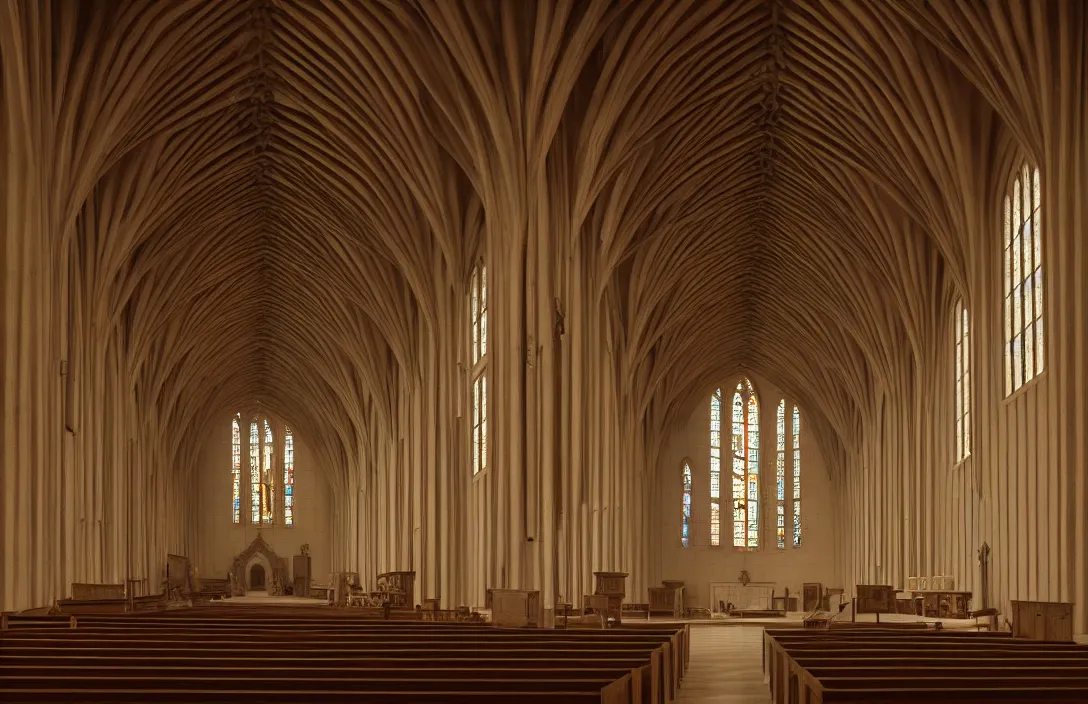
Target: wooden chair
x=983, y=613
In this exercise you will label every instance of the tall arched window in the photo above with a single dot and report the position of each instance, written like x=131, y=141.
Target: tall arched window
x=745, y=467
x=263, y=472
x=236, y=468
x=254, y=473
x=685, y=532
x=780, y=477
x=715, y=467
x=963, y=383
x=795, y=436
x=268, y=494
x=478, y=302
x=288, y=478
x=1024, y=349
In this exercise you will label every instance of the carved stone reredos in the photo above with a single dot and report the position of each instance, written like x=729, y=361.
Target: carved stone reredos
x=257, y=549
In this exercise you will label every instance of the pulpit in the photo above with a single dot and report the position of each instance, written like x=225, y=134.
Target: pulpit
x=613, y=586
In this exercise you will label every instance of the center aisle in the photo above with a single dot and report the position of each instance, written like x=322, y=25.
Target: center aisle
x=726, y=666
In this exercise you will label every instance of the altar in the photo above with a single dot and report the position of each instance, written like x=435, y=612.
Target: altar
x=258, y=568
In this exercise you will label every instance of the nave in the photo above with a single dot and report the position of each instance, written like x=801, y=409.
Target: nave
x=726, y=666
x=553, y=313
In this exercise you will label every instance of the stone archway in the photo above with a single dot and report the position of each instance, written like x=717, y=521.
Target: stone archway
x=258, y=555
x=256, y=580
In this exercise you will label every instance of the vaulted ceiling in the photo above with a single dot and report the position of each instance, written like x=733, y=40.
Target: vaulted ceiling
x=771, y=185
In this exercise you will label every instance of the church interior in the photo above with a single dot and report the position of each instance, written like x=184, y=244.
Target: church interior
x=594, y=350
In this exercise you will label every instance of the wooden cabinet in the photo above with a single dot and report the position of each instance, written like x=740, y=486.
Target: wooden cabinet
x=667, y=600
x=300, y=575
x=874, y=599
x=614, y=586
x=400, y=589
x=1042, y=620
x=940, y=603
x=82, y=591
x=514, y=608
x=812, y=595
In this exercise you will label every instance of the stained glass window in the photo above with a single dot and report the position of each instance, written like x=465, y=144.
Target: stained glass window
x=795, y=436
x=963, y=382
x=715, y=467
x=479, y=424
x=288, y=478
x=1024, y=348
x=478, y=314
x=267, y=493
x=780, y=477
x=254, y=473
x=236, y=469
x=745, y=473
x=685, y=531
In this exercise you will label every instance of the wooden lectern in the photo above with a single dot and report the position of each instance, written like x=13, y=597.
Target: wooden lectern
x=613, y=586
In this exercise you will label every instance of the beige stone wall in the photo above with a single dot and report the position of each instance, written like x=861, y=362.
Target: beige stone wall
x=220, y=539
x=239, y=204
x=699, y=564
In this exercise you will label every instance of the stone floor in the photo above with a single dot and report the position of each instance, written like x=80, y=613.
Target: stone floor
x=726, y=666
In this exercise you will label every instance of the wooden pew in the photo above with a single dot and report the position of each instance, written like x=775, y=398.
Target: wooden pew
x=679, y=636
x=92, y=606
x=82, y=591
x=672, y=654
x=214, y=618
x=658, y=675
x=609, y=686
x=164, y=644
x=916, y=666
x=499, y=692
x=209, y=590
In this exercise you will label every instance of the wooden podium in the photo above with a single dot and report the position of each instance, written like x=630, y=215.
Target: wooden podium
x=614, y=586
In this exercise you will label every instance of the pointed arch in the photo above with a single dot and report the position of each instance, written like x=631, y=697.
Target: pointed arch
x=254, y=473
x=715, y=467
x=780, y=476
x=288, y=478
x=1024, y=342
x=268, y=494
x=962, y=382
x=745, y=466
x=795, y=439
x=685, y=528
x=236, y=468
x=478, y=354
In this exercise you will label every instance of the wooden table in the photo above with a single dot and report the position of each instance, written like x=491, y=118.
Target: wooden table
x=941, y=603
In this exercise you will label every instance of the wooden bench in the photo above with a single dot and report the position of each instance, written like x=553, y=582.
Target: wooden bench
x=890, y=665
x=250, y=657
x=91, y=606
x=331, y=646
x=209, y=590
x=631, y=609
x=235, y=618
x=84, y=590
x=679, y=636
x=416, y=670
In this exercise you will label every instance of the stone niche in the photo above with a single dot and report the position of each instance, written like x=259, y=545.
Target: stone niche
x=257, y=563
